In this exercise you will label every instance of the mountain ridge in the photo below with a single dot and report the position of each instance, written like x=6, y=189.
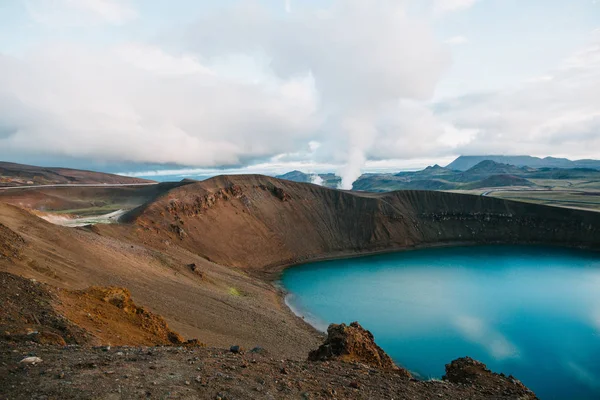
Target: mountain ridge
x=463, y=163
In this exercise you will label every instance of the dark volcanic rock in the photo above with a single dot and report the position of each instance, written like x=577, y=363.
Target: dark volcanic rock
x=466, y=371
x=353, y=344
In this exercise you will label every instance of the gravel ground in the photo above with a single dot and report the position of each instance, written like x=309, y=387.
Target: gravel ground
x=73, y=372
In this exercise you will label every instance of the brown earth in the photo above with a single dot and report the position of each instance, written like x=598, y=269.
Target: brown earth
x=85, y=200
x=10, y=243
x=12, y=174
x=37, y=312
x=28, y=314
x=216, y=304
x=112, y=317
x=207, y=373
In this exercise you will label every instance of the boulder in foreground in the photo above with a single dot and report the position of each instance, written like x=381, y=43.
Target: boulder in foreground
x=469, y=372
x=353, y=343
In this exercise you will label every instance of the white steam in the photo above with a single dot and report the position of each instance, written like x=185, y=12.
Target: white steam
x=316, y=179
x=361, y=134
x=363, y=55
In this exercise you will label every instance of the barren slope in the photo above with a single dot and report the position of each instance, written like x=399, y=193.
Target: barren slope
x=216, y=304
x=12, y=174
x=263, y=223
x=84, y=200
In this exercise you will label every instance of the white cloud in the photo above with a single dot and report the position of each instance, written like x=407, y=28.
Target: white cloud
x=80, y=12
x=456, y=40
x=144, y=105
x=288, y=6
x=477, y=331
x=445, y=6
x=555, y=114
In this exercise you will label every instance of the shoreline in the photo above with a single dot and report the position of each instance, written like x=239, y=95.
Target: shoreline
x=272, y=273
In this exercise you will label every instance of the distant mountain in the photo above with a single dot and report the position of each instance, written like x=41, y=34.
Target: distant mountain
x=464, y=163
x=489, y=168
x=328, y=180
x=485, y=174
x=12, y=174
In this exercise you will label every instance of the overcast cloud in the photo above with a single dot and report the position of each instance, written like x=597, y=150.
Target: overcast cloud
x=348, y=84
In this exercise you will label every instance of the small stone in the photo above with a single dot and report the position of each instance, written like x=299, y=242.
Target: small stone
x=31, y=360
x=187, y=383
x=354, y=385
x=235, y=349
x=120, y=354
x=284, y=371
x=257, y=349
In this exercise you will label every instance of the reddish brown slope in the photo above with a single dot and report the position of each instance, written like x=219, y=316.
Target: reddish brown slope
x=215, y=304
x=264, y=223
x=12, y=174
x=32, y=311
x=79, y=199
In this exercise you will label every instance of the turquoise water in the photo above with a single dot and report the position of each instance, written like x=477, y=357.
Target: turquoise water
x=533, y=312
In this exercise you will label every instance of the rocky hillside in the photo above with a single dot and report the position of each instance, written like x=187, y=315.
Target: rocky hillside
x=85, y=200
x=12, y=174
x=263, y=223
x=39, y=313
x=196, y=297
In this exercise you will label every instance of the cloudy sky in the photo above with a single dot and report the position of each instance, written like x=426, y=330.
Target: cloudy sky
x=274, y=85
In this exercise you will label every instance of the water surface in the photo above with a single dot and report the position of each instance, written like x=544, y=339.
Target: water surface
x=533, y=312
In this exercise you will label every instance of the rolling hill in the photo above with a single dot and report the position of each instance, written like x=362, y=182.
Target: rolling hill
x=486, y=174
x=12, y=174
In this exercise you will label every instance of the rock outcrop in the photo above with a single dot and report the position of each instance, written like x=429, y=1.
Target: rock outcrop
x=112, y=312
x=469, y=372
x=40, y=313
x=353, y=343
